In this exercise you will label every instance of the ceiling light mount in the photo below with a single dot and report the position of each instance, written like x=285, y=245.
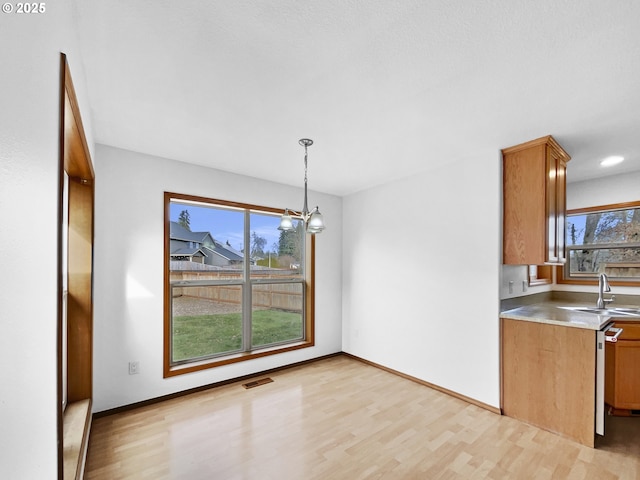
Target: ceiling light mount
x=612, y=160
x=314, y=223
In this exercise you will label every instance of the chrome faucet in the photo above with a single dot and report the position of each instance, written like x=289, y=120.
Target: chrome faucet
x=603, y=286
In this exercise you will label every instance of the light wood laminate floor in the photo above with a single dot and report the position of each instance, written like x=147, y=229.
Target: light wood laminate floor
x=339, y=418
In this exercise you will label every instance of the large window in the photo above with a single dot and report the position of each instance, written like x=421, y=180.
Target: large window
x=603, y=239
x=235, y=286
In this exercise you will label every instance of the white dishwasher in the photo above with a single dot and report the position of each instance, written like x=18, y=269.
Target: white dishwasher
x=608, y=333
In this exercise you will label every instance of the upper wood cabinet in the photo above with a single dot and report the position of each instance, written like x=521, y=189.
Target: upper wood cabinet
x=534, y=203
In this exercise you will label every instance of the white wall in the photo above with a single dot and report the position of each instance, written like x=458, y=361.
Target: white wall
x=30, y=81
x=128, y=323
x=604, y=191
x=421, y=270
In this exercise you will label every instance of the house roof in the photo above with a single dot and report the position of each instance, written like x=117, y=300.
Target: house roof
x=179, y=234
x=225, y=252
x=187, y=252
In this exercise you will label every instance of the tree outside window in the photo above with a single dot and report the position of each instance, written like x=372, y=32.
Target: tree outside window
x=604, y=240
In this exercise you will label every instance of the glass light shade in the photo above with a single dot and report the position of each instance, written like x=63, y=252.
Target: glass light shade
x=316, y=222
x=286, y=223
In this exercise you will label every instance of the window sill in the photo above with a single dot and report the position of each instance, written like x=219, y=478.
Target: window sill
x=172, y=371
x=76, y=427
x=614, y=282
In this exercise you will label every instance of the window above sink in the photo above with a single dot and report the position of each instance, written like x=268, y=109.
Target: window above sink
x=604, y=239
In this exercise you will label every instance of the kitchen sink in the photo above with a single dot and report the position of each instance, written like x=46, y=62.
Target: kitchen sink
x=597, y=311
x=622, y=311
x=631, y=311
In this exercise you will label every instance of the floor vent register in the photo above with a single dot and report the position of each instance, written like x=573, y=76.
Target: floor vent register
x=257, y=383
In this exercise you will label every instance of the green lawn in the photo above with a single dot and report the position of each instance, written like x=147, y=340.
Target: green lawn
x=202, y=335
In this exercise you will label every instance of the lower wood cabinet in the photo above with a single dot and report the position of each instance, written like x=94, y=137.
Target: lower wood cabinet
x=548, y=377
x=622, y=371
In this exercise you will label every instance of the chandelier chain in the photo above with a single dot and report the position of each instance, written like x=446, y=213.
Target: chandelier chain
x=305, y=164
x=305, y=208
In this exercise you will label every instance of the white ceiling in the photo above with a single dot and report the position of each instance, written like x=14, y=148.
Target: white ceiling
x=384, y=88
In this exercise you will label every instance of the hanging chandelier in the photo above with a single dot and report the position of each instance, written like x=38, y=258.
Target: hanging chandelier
x=313, y=221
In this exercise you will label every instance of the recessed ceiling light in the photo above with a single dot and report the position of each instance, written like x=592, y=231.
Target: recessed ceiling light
x=610, y=161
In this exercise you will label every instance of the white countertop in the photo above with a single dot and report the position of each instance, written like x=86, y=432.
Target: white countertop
x=553, y=313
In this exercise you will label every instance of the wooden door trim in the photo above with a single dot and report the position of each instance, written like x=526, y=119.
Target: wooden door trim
x=74, y=160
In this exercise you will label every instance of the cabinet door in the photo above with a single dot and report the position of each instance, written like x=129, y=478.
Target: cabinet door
x=556, y=200
x=622, y=386
x=534, y=202
x=627, y=388
x=524, y=214
x=561, y=202
x=551, y=195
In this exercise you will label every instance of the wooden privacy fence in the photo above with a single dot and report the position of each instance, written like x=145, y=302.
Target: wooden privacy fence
x=280, y=296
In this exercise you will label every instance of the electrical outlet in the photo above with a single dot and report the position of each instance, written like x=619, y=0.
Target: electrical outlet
x=134, y=368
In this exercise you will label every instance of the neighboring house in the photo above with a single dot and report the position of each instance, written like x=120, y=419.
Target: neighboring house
x=200, y=247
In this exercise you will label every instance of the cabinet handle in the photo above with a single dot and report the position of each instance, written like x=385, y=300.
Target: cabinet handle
x=613, y=338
